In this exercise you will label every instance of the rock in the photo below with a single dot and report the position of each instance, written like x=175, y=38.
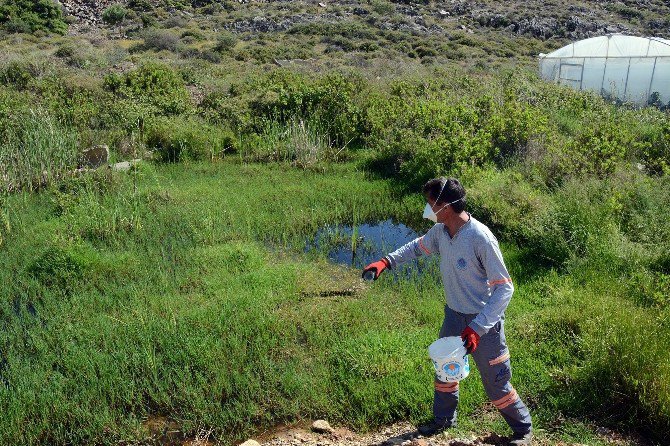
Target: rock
x=419, y=442
x=443, y=12
x=323, y=5
x=250, y=442
x=322, y=427
x=124, y=166
x=94, y=157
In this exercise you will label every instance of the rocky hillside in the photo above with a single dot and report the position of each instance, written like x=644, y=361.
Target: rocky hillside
x=532, y=18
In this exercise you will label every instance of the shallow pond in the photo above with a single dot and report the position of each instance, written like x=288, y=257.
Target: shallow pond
x=359, y=245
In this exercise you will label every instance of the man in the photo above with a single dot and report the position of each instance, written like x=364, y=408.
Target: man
x=478, y=289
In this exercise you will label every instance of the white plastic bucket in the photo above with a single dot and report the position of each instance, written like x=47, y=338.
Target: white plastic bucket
x=450, y=359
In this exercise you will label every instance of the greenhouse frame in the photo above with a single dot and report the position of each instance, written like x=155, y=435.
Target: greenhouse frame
x=627, y=68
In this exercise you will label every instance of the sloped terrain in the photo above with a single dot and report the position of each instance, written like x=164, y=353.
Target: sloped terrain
x=536, y=19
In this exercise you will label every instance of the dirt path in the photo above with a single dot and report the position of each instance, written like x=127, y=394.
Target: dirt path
x=404, y=434
x=166, y=433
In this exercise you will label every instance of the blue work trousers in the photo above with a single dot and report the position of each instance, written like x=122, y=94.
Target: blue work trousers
x=493, y=361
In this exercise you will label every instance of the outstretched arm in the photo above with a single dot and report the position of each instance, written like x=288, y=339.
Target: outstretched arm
x=421, y=246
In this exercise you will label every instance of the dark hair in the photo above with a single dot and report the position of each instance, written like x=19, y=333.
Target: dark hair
x=453, y=190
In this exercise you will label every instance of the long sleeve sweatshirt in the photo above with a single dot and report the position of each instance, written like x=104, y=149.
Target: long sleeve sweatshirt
x=473, y=272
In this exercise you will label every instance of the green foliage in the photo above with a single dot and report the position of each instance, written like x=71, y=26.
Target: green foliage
x=422, y=138
x=599, y=148
x=37, y=150
x=76, y=54
x=656, y=153
x=330, y=103
x=295, y=142
x=180, y=139
x=225, y=41
x=159, y=40
x=16, y=73
x=31, y=16
x=59, y=268
x=115, y=14
x=154, y=84
x=140, y=5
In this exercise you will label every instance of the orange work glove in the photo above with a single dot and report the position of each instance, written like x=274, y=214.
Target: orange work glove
x=377, y=267
x=470, y=339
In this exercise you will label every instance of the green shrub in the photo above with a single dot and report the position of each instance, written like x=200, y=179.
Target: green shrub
x=31, y=16
x=225, y=41
x=59, y=268
x=148, y=20
x=140, y=5
x=159, y=39
x=175, y=21
x=194, y=34
x=154, y=84
x=656, y=154
x=115, y=14
x=76, y=54
x=16, y=73
x=332, y=102
x=180, y=139
x=296, y=143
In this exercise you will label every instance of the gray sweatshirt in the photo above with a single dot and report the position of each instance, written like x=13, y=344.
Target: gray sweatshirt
x=474, y=275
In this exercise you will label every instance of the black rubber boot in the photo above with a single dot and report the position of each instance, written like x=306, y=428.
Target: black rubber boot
x=521, y=439
x=434, y=428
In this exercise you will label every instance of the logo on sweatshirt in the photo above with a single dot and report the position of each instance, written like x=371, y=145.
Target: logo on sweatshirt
x=461, y=263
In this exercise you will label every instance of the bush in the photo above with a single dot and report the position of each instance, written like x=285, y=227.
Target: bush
x=178, y=139
x=59, y=268
x=175, y=22
x=656, y=154
x=16, y=73
x=158, y=39
x=32, y=15
x=76, y=54
x=140, y=5
x=295, y=142
x=421, y=139
x=225, y=41
x=153, y=84
x=114, y=14
x=332, y=103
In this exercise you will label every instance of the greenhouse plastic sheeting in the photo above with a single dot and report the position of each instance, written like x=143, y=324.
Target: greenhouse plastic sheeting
x=632, y=69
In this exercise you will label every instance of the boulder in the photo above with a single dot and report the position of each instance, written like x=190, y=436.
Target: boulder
x=95, y=157
x=124, y=165
x=250, y=442
x=322, y=427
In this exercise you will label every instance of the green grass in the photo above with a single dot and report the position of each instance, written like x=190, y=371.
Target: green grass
x=178, y=292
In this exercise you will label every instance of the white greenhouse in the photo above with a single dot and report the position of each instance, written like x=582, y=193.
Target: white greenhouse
x=631, y=69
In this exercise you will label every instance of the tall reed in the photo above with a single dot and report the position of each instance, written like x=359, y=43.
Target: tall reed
x=35, y=150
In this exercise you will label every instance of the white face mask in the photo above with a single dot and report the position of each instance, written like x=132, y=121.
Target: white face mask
x=428, y=210
x=432, y=215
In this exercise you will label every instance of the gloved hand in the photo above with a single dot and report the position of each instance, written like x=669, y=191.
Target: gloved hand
x=377, y=267
x=470, y=339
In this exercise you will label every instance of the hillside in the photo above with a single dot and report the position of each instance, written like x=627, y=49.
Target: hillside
x=537, y=19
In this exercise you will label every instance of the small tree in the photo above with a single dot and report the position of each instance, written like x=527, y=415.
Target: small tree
x=31, y=15
x=114, y=15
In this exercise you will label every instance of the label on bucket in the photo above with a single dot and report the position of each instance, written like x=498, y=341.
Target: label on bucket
x=452, y=369
x=449, y=359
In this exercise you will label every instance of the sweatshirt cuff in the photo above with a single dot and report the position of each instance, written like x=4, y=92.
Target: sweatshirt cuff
x=389, y=261
x=481, y=331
